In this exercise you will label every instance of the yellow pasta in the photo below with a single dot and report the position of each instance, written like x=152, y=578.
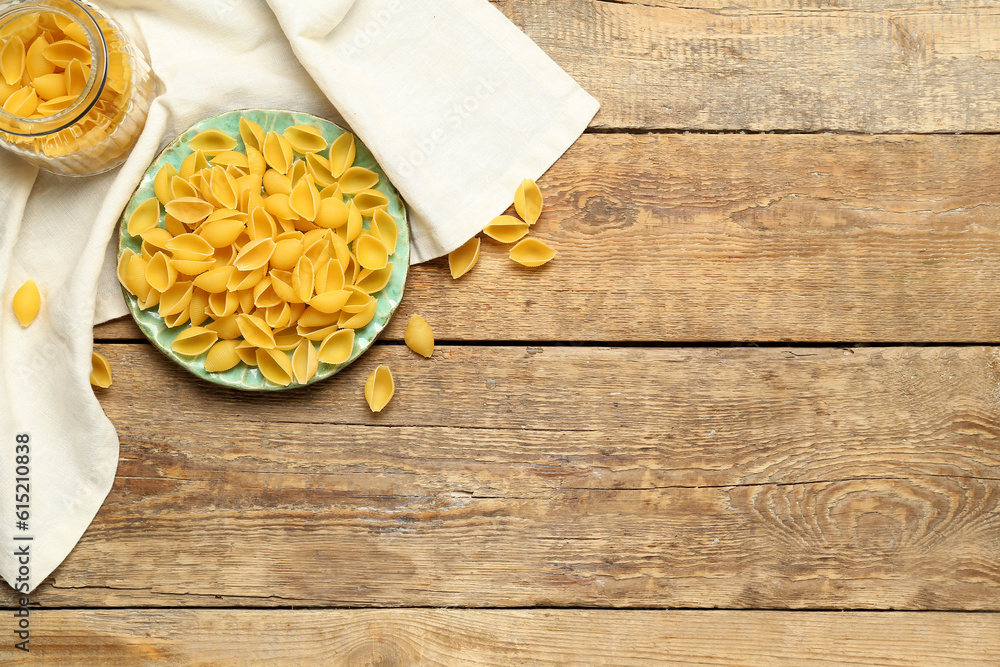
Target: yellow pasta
x=506, y=229
x=330, y=302
x=212, y=142
x=76, y=75
x=276, y=183
x=371, y=252
x=100, y=370
x=370, y=281
x=463, y=259
x=319, y=169
x=176, y=299
x=386, y=229
x=532, y=253
x=145, y=217
x=528, y=201
x=222, y=357
x=380, y=388
x=369, y=201
x=49, y=86
x=35, y=62
x=252, y=134
x=254, y=255
x=287, y=252
x=305, y=139
x=255, y=330
x=419, y=337
x=275, y=366
x=277, y=152
x=189, y=210
x=342, y=153
x=194, y=341
x=305, y=361
x=333, y=213
x=337, y=347
x=304, y=199
x=64, y=51
x=12, y=60
x=27, y=303
x=190, y=246
x=357, y=179
x=161, y=184
x=358, y=320
x=303, y=279
x=160, y=273
x=22, y=103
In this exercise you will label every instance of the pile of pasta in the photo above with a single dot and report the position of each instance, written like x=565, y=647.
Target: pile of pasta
x=45, y=65
x=271, y=255
x=530, y=252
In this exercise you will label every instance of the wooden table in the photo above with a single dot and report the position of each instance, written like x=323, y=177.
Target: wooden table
x=750, y=415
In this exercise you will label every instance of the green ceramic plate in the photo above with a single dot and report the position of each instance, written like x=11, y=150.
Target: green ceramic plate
x=243, y=376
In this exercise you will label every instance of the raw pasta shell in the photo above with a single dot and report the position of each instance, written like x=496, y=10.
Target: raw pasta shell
x=278, y=206
x=27, y=303
x=332, y=213
x=357, y=179
x=198, y=307
x=371, y=253
x=190, y=246
x=304, y=199
x=160, y=273
x=252, y=134
x=76, y=75
x=50, y=86
x=372, y=282
x=222, y=233
x=385, y=228
x=135, y=278
x=194, y=341
x=277, y=152
x=275, y=366
x=189, y=210
x=355, y=223
x=287, y=338
x=330, y=302
x=145, y=217
x=462, y=260
x=212, y=142
x=256, y=331
x=261, y=225
x=419, y=337
x=193, y=164
x=176, y=299
x=305, y=361
x=337, y=347
x=162, y=183
x=231, y=158
x=528, y=201
x=100, y=370
x=532, y=253
x=380, y=388
x=305, y=139
x=264, y=295
x=223, y=304
x=255, y=254
x=329, y=276
x=313, y=317
x=342, y=153
x=12, y=60
x=276, y=183
x=224, y=188
x=222, y=357
x=192, y=267
x=54, y=106
x=369, y=201
x=304, y=279
x=507, y=229
x=63, y=52
x=359, y=320
x=35, y=62
x=22, y=103
x=319, y=169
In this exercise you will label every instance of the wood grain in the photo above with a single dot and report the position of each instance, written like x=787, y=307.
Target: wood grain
x=742, y=238
x=738, y=478
x=493, y=638
x=762, y=65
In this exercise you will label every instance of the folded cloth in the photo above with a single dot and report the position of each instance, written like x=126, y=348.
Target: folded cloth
x=456, y=104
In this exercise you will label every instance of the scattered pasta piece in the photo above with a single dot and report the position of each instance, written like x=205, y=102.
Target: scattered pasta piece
x=532, y=253
x=528, y=201
x=379, y=388
x=27, y=303
x=506, y=229
x=462, y=260
x=419, y=337
x=100, y=371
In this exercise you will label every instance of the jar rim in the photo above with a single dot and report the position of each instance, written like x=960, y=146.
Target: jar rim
x=87, y=99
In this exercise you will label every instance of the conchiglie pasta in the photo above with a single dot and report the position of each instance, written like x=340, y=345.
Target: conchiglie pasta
x=386, y=229
x=305, y=139
x=532, y=253
x=338, y=347
x=305, y=361
x=528, y=201
x=506, y=229
x=194, y=341
x=100, y=371
x=357, y=179
x=189, y=210
x=277, y=152
x=255, y=331
x=145, y=217
x=342, y=153
x=370, y=201
x=419, y=337
x=371, y=253
x=380, y=388
x=222, y=357
x=463, y=259
x=370, y=281
x=27, y=303
x=304, y=199
x=212, y=142
x=275, y=366
x=252, y=134
x=12, y=60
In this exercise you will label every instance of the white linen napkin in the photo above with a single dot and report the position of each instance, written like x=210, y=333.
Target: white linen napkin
x=456, y=104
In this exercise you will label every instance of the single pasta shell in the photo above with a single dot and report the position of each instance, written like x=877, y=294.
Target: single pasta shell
x=214, y=280
x=100, y=371
x=338, y=347
x=330, y=302
x=22, y=103
x=161, y=184
x=264, y=295
x=76, y=75
x=304, y=279
x=278, y=152
x=223, y=304
x=305, y=139
x=278, y=206
x=194, y=341
x=329, y=277
x=332, y=213
x=255, y=254
x=54, y=106
x=27, y=303
x=222, y=357
x=180, y=187
x=135, y=278
x=160, y=273
x=371, y=282
x=278, y=317
x=192, y=267
x=371, y=253
x=23, y=25
x=230, y=158
x=507, y=229
x=226, y=327
x=528, y=201
x=355, y=223
x=281, y=282
x=222, y=233
x=261, y=225
x=532, y=252
x=127, y=255
x=193, y=164
x=380, y=388
x=304, y=199
x=256, y=162
x=287, y=338
x=224, y=188
x=174, y=226
x=461, y=260
x=369, y=201
x=419, y=337
x=190, y=246
x=305, y=361
x=252, y=134
x=255, y=330
x=189, y=210
x=157, y=237
x=315, y=334
x=63, y=52
x=275, y=366
x=50, y=86
x=313, y=317
x=319, y=169
x=35, y=62
x=357, y=179
x=12, y=60
x=176, y=299
x=287, y=253
x=199, y=307
x=276, y=183
x=246, y=280
x=250, y=182
x=212, y=142
x=342, y=153
x=247, y=354
x=386, y=229
x=145, y=217
x=358, y=320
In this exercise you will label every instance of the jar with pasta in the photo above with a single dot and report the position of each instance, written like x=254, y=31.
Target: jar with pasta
x=74, y=87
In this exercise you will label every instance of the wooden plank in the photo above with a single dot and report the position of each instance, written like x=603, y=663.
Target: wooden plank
x=492, y=638
x=810, y=65
x=738, y=478
x=742, y=238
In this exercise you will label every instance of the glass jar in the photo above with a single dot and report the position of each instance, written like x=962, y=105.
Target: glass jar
x=93, y=126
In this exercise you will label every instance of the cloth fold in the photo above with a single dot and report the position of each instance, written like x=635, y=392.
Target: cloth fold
x=452, y=99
